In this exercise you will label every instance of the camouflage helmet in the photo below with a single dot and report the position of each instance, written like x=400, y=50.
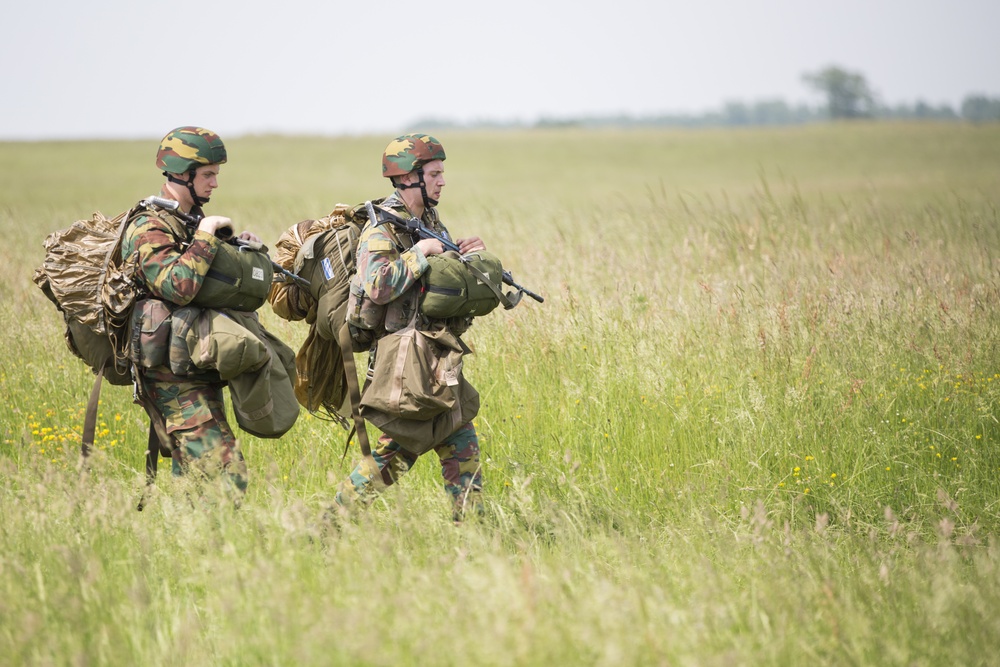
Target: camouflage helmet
x=187, y=148
x=409, y=152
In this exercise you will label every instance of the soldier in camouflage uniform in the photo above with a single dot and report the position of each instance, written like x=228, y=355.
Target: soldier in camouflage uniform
x=172, y=261
x=384, y=298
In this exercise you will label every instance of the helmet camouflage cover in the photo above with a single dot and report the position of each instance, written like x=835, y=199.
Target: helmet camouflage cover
x=409, y=152
x=186, y=148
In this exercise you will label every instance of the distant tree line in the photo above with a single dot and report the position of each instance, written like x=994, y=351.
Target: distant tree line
x=848, y=96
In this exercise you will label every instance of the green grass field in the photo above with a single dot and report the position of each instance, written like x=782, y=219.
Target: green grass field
x=755, y=421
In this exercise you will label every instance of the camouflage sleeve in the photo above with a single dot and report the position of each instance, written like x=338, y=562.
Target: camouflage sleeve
x=170, y=271
x=387, y=273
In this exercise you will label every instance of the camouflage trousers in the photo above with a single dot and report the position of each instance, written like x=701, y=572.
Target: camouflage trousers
x=202, y=441
x=459, y=456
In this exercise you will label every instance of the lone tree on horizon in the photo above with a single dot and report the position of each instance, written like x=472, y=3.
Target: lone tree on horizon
x=847, y=93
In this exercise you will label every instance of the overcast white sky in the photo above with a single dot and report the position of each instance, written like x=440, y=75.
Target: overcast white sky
x=137, y=68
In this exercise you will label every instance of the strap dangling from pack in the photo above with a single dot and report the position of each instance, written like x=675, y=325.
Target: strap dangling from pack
x=90, y=417
x=354, y=390
x=157, y=442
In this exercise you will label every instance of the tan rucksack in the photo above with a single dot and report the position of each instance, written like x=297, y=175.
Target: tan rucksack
x=84, y=275
x=417, y=394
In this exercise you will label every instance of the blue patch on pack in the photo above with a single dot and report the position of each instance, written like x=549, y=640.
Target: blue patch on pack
x=327, y=268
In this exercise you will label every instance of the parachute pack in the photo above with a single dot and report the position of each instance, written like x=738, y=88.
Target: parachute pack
x=321, y=251
x=84, y=276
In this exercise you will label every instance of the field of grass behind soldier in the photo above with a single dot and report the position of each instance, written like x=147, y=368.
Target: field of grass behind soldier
x=754, y=422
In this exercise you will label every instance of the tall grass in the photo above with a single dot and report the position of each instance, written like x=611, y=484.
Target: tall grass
x=754, y=422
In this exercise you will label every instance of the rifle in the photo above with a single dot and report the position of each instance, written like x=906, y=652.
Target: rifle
x=415, y=226
x=224, y=234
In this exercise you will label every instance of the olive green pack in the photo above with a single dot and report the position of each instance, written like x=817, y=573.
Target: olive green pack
x=466, y=286
x=327, y=261
x=323, y=252
x=258, y=367
x=239, y=278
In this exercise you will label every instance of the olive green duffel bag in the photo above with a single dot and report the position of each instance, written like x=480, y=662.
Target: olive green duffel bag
x=264, y=400
x=419, y=436
x=259, y=367
x=239, y=278
x=462, y=286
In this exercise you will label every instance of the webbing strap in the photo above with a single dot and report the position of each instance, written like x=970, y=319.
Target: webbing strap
x=152, y=454
x=354, y=390
x=396, y=393
x=152, y=458
x=157, y=443
x=90, y=417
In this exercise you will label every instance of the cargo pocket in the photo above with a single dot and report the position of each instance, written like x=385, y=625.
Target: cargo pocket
x=151, y=333
x=362, y=312
x=179, y=357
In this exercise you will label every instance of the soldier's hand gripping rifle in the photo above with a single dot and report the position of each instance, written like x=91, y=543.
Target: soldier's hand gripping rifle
x=224, y=234
x=415, y=226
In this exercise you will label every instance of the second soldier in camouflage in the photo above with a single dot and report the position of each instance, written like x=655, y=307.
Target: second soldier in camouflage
x=384, y=298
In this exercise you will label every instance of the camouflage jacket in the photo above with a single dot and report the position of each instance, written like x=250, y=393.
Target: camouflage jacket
x=172, y=266
x=389, y=267
x=170, y=263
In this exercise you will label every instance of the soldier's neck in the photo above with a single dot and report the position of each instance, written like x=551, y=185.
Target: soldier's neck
x=178, y=194
x=414, y=202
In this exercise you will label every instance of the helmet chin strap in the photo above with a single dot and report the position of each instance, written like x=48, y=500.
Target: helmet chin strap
x=428, y=202
x=189, y=184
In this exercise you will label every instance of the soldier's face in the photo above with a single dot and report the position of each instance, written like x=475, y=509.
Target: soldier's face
x=434, y=178
x=206, y=179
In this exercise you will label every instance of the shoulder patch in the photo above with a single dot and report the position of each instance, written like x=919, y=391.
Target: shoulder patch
x=379, y=245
